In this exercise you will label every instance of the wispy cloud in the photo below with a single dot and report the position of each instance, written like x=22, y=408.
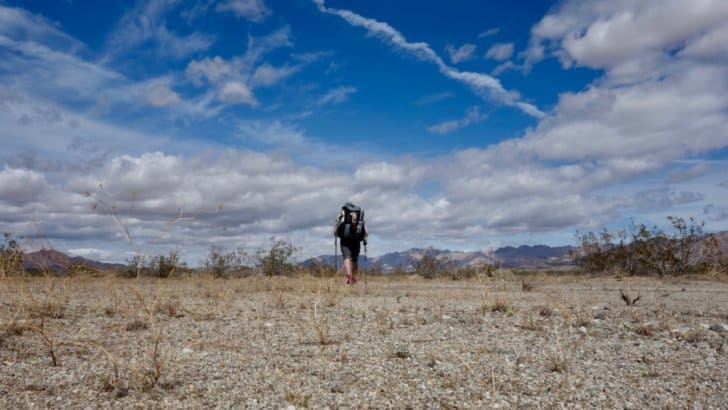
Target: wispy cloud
x=338, y=95
x=489, y=32
x=460, y=54
x=500, y=51
x=162, y=96
x=472, y=116
x=235, y=79
x=145, y=24
x=253, y=10
x=434, y=98
x=482, y=84
x=267, y=75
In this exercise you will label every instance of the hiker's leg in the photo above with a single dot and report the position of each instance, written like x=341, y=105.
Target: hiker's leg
x=354, y=269
x=348, y=270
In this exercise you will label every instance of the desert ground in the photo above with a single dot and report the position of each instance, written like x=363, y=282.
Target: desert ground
x=507, y=341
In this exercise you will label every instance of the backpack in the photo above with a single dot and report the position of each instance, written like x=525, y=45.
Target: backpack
x=351, y=222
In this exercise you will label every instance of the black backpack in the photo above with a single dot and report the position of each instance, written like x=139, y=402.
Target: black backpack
x=351, y=225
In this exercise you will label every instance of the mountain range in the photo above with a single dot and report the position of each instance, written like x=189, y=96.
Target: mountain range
x=525, y=256
x=51, y=260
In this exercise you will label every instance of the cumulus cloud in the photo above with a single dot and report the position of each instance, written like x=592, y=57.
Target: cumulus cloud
x=482, y=84
x=161, y=96
x=472, y=116
x=253, y=10
x=235, y=92
x=338, y=95
x=18, y=186
x=460, y=54
x=630, y=39
x=500, y=51
x=235, y=79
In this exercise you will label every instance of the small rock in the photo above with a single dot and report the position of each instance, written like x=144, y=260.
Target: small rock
x=583, y=330
x=600, y=316
x=717, y=328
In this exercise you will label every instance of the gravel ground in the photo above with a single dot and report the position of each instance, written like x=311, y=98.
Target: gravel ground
x=392, y=343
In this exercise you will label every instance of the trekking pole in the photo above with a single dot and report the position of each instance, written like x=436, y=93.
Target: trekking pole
x=366, y=269
x=336, y=257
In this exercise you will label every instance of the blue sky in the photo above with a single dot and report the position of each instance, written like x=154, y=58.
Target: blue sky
x=468, y=126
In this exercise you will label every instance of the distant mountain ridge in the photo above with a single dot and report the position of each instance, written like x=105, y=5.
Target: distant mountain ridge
x=51, y=260
x=525, y=256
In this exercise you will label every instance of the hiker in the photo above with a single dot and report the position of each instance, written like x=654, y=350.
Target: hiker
x=351, y=230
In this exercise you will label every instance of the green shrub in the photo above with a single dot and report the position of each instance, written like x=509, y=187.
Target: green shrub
x=278, y=260
x=649, y=251
x=222, y=264
x=11, y=257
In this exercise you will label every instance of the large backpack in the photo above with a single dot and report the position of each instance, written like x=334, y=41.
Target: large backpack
x=351, y=222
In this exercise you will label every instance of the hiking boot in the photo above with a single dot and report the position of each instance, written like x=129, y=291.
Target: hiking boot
x=353, y=279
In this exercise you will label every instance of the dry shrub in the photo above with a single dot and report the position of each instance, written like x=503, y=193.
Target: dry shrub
x=545, y=311
x=527, y=285
x=136, y=325
x=646, y=330
x=500, y=305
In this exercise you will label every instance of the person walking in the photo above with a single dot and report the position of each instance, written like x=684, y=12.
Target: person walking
x=351, y=231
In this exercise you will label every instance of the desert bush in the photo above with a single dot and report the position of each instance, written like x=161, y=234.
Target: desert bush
x=278, y=260
x=11, y=257
x=430, y=266
x=642, y=250
x=165, y=266
x=321, y=269
x=221, y=264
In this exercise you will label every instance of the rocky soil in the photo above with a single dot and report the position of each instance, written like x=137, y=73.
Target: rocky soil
x=502, y=342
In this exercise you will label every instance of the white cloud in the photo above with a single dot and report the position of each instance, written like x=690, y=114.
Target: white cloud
x=235, y=78
x=19, y=24
x=338, y=95
x=253, y=10
x=630, y=39
x=266, y=75
x=472, y=116
x=500, y=51
x=19, y=186
x=274, y=133
x=482, y=84
x=460, y=54
x=211, y=69
x=489, y=33
x=161, y=96
x=235, y=92
x=48, y=67
x=145, y=24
